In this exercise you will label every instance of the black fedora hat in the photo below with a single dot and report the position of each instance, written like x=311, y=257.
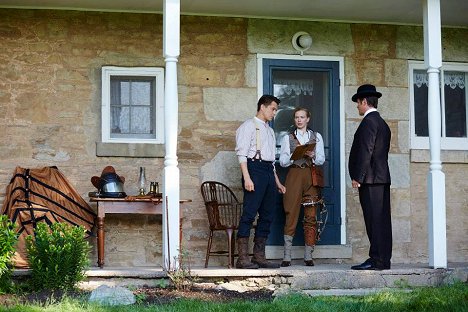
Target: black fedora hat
x=365, y=91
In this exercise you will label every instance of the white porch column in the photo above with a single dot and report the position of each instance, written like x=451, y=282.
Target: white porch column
x=171, y=176
x=436, y=178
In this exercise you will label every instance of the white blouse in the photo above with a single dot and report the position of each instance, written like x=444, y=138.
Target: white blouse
x=303, y=138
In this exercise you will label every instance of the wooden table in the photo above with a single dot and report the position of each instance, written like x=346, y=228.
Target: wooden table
x=128, y=205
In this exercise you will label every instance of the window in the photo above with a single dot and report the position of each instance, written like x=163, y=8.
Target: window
x=453, y=106
x=132, y=104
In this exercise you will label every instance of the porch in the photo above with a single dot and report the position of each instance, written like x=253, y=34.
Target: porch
x=322, y=279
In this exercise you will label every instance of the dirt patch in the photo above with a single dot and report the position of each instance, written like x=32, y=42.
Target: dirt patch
x=145, y=296
x=148, y=295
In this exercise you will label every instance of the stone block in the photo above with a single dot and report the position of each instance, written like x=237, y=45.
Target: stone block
x=396, y=73
x=229, y=104
x=224, y=168
x=403, y=136
x=250, y=70
x=274, y=36
x=390, y=104
x=350, y=74
x=410, y=43
x=112, y=296
x=370, y=70
x=399, y=170
x=401, y=229
x=374, y=41
x=454, y=49
x=401, y=202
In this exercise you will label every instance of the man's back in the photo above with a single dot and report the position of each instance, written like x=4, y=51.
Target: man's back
x=368, y=159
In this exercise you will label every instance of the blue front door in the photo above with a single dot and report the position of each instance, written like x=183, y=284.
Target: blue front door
x=316, y=86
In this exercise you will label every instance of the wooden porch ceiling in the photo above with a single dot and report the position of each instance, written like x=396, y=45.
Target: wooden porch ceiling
x=453, y=12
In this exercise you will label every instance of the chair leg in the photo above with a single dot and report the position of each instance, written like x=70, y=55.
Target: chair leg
x=208, y=249
x=230, y=247
x=233, y=247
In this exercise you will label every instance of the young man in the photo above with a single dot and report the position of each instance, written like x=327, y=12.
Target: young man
x=255, y=148
x=369, y=172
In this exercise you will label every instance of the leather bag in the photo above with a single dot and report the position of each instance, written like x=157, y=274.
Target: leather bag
x=317, y=176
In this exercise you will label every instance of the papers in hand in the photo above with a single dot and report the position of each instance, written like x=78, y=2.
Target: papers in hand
x=300, y=151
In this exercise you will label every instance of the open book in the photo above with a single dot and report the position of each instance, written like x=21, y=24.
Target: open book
x=300, y=151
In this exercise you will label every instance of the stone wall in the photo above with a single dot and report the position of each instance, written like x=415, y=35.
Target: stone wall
x=50, y=113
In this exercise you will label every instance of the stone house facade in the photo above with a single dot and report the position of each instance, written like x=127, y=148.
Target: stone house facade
x=50, y=111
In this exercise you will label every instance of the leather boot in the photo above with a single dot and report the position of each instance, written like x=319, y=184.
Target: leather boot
x=259, y=254
x=243, y=261
x=287, y=251
x=308, y=250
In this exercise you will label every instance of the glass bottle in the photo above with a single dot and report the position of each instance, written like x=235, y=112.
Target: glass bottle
x=142, y=182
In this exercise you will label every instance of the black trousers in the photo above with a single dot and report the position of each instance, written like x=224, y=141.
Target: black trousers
x=261, y=201
x=375, y=203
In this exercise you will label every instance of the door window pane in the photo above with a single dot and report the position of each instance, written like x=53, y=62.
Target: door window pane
x=307, y=89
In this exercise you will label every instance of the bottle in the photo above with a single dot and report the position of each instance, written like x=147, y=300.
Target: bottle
x=142, y=182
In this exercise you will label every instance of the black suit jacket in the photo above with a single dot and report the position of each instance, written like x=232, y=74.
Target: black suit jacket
x=368, y=159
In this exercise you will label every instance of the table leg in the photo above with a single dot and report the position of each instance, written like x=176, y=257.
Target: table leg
x=100, y=241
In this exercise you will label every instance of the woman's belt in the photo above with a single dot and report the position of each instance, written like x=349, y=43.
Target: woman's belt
x=304, y=165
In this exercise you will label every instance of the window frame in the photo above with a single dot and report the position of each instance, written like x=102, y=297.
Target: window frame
x=446, y=143
x=155, y=72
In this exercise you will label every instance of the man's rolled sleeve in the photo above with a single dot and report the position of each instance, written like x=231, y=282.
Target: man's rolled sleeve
x=243, y=137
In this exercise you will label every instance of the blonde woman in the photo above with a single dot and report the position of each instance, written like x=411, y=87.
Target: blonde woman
x=302, y=189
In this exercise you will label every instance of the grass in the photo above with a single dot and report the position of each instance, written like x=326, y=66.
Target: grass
x=445, y=298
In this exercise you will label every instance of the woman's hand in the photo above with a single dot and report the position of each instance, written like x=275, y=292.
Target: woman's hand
x=310, y=154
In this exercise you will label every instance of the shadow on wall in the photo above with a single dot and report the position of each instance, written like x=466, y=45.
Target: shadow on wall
x=224, y=168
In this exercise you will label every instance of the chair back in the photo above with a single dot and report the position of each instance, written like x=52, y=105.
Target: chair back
x=222, y=206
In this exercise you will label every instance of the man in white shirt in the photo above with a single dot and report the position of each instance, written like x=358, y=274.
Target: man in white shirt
x=255, y=148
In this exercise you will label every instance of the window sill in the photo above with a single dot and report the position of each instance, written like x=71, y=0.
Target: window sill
x=447, y=157
x=130, y=150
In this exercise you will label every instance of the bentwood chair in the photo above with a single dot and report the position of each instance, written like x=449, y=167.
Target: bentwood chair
x=224, y=211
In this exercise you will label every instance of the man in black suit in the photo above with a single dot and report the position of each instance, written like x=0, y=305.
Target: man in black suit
x=369, y=172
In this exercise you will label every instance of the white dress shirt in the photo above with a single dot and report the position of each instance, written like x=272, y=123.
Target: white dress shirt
x=246, y=140
x=303, y=138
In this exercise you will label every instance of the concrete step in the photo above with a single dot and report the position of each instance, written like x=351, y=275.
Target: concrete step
x=322, y=278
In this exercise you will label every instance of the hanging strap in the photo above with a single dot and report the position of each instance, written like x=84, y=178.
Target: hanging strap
x=258, y=142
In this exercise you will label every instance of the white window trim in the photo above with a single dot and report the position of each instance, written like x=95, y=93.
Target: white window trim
x=158, y=74
x=423, y=142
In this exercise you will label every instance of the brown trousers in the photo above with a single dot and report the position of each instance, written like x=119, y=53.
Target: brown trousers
x=299, y=184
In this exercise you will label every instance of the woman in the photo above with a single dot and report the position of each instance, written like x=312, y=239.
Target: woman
x=301, y=187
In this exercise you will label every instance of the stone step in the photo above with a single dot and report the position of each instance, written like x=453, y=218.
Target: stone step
x=324, y=277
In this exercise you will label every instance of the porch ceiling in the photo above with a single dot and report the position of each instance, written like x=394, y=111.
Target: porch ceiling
x=453, y=12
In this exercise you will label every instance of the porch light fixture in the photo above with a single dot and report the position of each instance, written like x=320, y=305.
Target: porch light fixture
x=301, y=41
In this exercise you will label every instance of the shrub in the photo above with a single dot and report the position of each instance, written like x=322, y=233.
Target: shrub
x=181, y=277
x=8, y=239
x=58, y=256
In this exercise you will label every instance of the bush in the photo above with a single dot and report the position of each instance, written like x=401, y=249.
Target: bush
x=8, y=239
x=58, y=256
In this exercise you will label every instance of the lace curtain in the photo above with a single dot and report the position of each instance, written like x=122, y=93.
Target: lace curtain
x=130, y=107
x=294, y=86
x=452, y=79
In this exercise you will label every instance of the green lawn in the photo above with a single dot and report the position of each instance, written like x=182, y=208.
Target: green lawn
x=446, y=299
